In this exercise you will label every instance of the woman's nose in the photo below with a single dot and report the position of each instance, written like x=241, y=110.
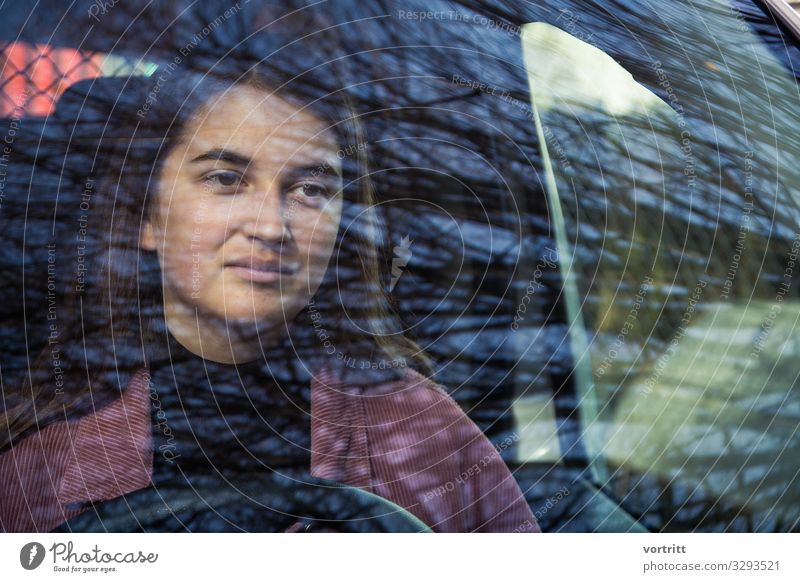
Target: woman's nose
x=265, y=217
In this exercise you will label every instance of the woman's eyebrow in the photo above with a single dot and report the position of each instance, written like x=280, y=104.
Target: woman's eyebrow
x=322, y=169
x=223, y=155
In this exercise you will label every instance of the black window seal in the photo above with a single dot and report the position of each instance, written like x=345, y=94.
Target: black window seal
x=785, y=14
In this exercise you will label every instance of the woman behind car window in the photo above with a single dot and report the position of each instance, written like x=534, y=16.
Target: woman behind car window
x=232, y=318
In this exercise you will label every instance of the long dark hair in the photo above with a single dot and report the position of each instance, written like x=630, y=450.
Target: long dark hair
x=124, y=129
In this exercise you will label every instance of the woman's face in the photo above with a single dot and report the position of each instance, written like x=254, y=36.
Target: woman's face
x=246, y=215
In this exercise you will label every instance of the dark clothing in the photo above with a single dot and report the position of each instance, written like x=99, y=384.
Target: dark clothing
x=401, y=438
x=225, y=419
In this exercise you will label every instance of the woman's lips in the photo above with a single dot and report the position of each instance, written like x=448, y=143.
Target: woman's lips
x=261, y=271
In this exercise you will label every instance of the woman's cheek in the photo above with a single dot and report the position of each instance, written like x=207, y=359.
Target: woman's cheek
x=323, y=244
x=328, y=221
x=315, y=227
x=180, y=270
x=182, y=256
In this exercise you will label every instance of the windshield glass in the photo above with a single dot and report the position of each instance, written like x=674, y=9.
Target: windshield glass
x=583, y=219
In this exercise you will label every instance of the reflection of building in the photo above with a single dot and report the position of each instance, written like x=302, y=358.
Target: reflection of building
x=34, y=75
x=722, y=417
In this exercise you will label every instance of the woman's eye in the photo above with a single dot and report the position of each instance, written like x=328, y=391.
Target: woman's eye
x=311, y=190
x=225, y=179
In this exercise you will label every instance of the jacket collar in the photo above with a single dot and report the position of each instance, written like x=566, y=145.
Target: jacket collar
x=113, y=447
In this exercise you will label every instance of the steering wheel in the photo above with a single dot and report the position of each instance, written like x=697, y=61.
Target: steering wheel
x=269, y=502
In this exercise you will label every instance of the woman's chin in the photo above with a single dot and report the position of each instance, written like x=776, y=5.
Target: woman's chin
x=262, y=320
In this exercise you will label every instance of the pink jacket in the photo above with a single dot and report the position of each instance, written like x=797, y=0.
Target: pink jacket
x=406, y=440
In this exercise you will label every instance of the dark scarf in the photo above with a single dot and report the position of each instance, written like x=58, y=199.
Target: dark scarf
x=227, y=421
